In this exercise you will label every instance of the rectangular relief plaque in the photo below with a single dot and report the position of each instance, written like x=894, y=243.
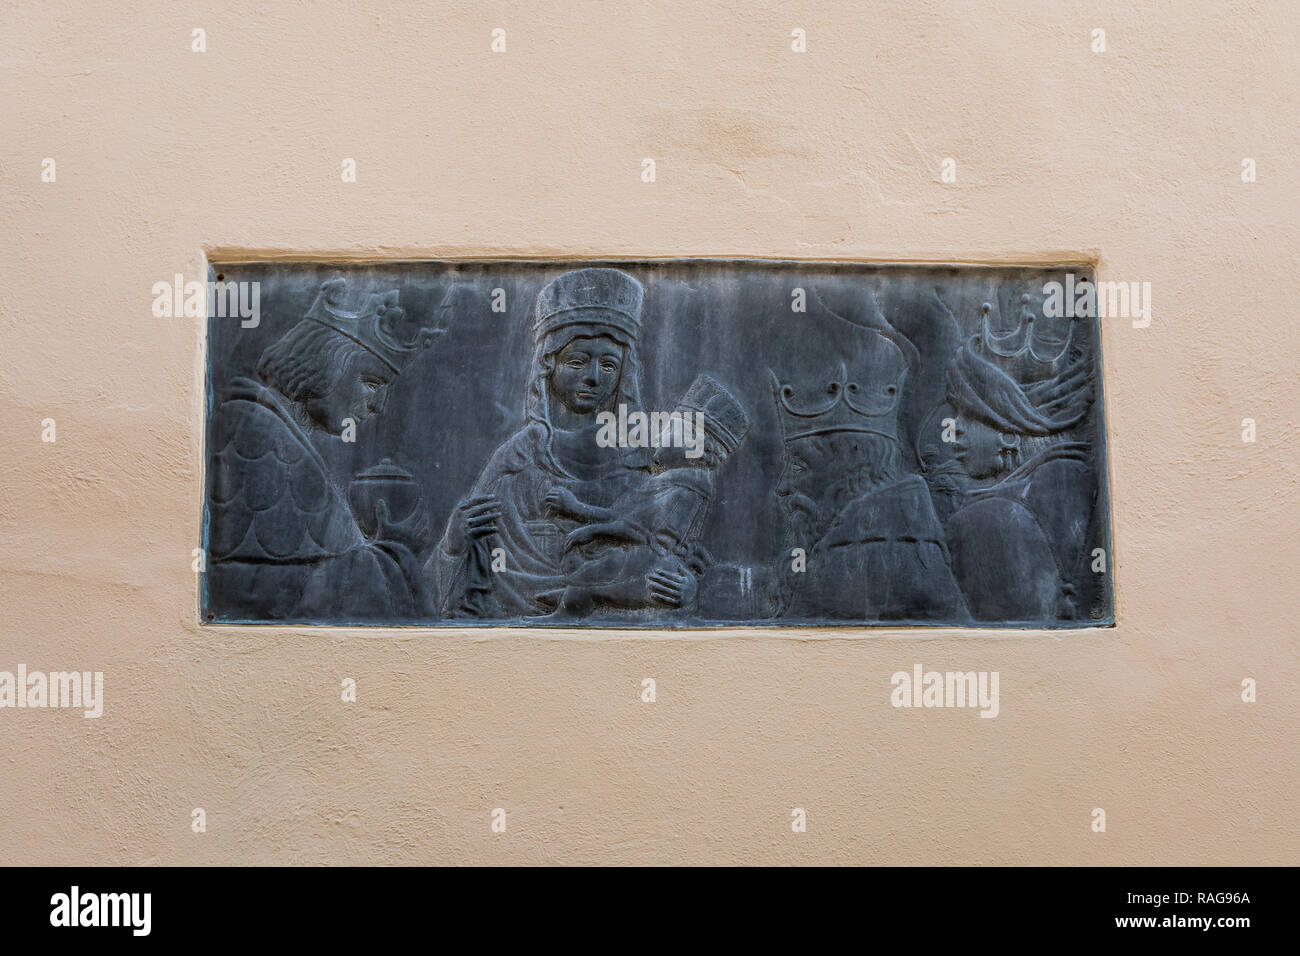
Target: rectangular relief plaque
x=666, y=444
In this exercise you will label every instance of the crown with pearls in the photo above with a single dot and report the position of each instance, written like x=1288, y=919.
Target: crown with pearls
x=1023, y=346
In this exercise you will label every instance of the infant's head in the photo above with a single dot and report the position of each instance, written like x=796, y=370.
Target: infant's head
x=702, y=450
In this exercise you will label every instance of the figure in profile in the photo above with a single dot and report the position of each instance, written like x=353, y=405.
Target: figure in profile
x=1021, y=540
x=283, y=543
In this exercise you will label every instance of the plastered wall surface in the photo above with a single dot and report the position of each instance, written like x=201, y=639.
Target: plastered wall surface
x=1131, y=159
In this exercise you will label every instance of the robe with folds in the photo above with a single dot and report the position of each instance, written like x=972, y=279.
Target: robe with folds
x=528, y=579
x=1021, y=547
x=282, y=541
x=883, y=558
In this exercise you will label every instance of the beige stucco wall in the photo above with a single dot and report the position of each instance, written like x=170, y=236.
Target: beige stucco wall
x=1130, y=158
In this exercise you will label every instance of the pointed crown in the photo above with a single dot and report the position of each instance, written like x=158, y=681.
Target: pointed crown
x=1021, y=380
x=372, y=320
x=1024, y=345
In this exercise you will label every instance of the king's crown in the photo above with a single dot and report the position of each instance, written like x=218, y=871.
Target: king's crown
x=1023, y=345
x=373, y=320
x=851, y=382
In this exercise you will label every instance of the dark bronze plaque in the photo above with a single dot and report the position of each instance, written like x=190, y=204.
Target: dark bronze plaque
x=672, y=443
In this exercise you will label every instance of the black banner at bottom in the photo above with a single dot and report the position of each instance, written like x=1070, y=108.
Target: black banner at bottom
x=339, y=905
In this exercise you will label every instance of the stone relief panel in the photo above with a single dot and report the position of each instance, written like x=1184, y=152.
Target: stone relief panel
x=665, y=444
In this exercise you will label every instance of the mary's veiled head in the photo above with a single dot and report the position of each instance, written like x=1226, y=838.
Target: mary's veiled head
x=585, y=327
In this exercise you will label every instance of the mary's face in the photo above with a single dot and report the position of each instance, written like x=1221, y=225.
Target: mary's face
x=586, y=374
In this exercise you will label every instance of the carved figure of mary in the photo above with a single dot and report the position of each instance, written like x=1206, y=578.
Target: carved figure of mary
x=500, y=556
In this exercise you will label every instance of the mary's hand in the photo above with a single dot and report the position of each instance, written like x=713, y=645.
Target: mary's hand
x=475, y=517
x=672, y=587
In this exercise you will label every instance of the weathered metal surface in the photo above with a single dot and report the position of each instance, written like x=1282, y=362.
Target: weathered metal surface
x=654, y=444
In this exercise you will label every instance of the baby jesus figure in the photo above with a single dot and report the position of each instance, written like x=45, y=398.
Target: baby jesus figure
x=626, y=556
